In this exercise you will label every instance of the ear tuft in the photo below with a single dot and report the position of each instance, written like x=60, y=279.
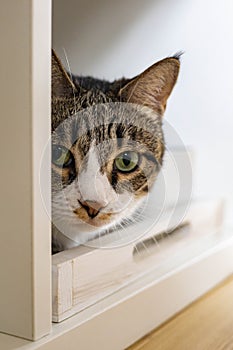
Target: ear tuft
x=153, y=87
x=62, y=85
x=178, y=55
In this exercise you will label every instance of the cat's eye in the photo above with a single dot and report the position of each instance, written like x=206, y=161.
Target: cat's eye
x=127, y=161
x=61, y=156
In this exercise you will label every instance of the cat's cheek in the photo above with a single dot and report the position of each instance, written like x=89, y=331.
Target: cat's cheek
x=142, y=192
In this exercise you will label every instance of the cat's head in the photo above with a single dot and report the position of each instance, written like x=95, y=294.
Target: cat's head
x=107, y=146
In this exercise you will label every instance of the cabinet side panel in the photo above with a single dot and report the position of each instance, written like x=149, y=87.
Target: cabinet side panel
x=15, y=183
x=22, y=286
x=41, y=125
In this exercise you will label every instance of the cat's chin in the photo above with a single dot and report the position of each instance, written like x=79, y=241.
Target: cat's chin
x=70, y=237
x=66, y=237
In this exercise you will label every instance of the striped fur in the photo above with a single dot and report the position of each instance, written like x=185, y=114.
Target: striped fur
x=96, y=121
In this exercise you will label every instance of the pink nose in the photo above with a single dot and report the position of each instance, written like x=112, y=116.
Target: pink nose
x=92, y=208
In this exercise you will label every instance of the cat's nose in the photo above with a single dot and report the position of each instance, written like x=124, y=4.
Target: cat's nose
x=91, y=207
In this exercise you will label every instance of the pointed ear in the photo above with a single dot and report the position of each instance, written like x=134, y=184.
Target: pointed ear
x=62, y=85
x=153, y=87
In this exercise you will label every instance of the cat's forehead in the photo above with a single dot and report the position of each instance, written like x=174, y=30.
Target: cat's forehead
x=101, y=124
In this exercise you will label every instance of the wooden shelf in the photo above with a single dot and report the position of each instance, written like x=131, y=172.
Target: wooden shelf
x=76, y=285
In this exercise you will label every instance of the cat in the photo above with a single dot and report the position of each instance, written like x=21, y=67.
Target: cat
x=107, y=148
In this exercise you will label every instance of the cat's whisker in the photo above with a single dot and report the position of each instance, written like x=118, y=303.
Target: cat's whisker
x=138, y=251
x=145, y=247
x=145, y=215
x=156, y=241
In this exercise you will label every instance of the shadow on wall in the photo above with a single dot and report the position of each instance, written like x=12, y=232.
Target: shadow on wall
x=87, y=28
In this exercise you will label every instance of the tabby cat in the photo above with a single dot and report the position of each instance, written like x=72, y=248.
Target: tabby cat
x=107, y=148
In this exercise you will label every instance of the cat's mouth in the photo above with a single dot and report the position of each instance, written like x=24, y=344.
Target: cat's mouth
x=93, y=218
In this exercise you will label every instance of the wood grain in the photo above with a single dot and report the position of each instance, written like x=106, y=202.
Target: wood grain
x=207, y=324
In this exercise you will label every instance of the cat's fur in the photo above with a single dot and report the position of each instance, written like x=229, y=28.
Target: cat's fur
x=91, y=196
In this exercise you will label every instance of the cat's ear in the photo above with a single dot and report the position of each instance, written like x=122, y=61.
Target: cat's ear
x=62, y=85
x=153, y=87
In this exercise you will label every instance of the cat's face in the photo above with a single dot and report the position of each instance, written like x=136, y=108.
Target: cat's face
x=107, y=148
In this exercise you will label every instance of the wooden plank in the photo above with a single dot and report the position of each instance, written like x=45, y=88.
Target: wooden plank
x=25, y=107
x=62, y=287
x=115, y=268
x=138, y=308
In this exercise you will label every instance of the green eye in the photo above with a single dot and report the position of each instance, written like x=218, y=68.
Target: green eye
x=127, y=161
x=61, y=156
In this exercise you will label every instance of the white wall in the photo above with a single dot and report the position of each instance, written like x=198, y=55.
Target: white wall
x=114, y=38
